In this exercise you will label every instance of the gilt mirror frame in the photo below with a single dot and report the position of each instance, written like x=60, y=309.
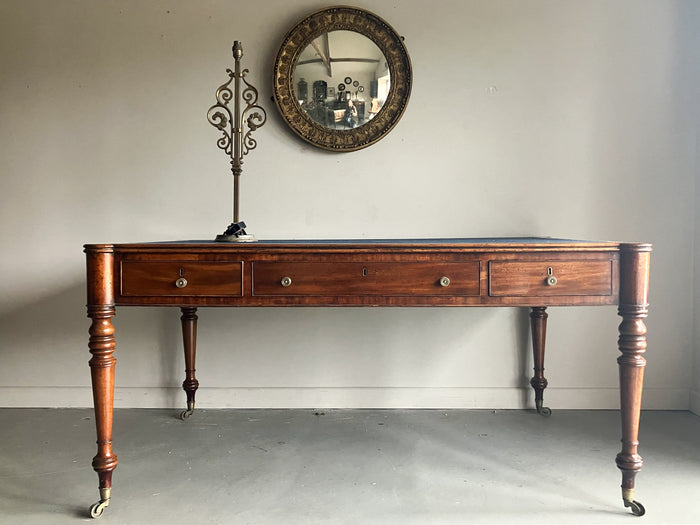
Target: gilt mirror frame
x=342, y=18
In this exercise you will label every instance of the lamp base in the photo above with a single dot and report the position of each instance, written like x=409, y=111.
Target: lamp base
x=236, y=233
x=236, y=238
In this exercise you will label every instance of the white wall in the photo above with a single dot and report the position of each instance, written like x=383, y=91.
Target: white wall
x=556, y=118
x=693, y=65
x=695, y=391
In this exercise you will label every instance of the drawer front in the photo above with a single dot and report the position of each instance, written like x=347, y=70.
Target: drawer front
x=534, y=278
x=379, y=279
x=181, y=278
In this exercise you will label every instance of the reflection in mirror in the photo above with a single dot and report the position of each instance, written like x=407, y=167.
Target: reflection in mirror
x=352, y=63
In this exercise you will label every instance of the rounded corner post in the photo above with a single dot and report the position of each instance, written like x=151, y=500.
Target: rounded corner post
x=101, y=309
x=633, y=308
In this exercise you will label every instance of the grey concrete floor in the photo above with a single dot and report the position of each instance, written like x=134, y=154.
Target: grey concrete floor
x=347, y=467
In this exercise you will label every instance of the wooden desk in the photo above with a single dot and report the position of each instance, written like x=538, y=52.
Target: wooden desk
x=535, y=273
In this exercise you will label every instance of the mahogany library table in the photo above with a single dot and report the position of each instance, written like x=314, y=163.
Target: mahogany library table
x=526, y=272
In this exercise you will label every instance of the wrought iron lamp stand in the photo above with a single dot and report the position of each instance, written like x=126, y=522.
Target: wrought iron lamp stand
x=237, y=129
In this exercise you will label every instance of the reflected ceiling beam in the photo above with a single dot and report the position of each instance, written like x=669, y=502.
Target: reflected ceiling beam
x=366, y=60
x=333, y=60
x=324, y=52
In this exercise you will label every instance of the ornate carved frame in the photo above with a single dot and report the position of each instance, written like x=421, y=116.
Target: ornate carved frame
x=336, y=19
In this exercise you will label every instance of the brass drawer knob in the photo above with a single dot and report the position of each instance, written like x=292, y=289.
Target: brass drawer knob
x=444, y=281
x=181, y=282
x=286, y=281
x=551, y=280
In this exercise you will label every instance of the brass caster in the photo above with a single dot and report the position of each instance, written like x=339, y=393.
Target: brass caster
x=96, y=509
x=187, y=413
x=636, y=507
x=542, y=410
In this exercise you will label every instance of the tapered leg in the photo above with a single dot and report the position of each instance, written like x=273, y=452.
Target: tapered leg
x=633, y=308
x=538, y=322
x=102, y=345
x=189, y=338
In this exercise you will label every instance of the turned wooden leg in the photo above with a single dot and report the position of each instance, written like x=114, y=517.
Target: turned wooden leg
x=633, y=308
x=189, y=337
x=102, y=345
x=538, y=322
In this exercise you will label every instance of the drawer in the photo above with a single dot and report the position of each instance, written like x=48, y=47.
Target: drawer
x=376, y=278
x=532, y=278
x=181, y=278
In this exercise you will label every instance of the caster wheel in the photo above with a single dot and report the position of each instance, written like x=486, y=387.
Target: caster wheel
x=96, y=509
x=186, y=414
x=636, y=507
x=545, y=411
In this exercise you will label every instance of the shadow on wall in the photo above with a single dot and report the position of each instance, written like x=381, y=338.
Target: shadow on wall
x=44, y=348
x=524, y=355
x=45, y=342
x=356, y=356
x=44, y=351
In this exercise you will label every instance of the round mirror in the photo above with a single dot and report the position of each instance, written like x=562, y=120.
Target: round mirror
x=342, y=78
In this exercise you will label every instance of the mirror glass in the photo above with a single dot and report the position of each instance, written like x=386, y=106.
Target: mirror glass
x=342, y=78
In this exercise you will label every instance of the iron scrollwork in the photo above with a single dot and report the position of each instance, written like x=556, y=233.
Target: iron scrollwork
x=236, y=129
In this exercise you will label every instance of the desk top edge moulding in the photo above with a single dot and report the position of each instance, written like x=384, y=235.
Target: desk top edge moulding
x=239, y=270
